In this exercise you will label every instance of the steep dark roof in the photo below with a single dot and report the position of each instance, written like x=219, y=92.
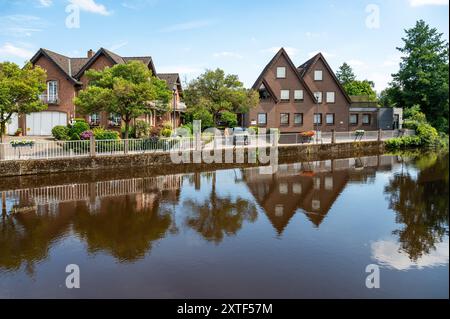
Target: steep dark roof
x=73, y=68
x=281, y=52
x=305, y=67
x=171, y=80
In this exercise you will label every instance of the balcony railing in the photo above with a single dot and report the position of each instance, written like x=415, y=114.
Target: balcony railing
x=49, y=99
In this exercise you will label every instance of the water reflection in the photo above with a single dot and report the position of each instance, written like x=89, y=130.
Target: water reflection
x=124, y=218
x=421, y=204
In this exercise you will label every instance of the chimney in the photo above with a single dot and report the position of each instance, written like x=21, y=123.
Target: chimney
x=90, y=53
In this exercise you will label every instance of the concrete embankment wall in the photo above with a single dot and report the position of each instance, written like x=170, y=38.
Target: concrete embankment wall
x=162, y=163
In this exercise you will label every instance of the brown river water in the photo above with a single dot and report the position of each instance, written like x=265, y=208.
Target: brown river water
x=307, y=231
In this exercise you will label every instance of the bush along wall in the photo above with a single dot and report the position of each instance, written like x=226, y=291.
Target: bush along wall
x=426, y=136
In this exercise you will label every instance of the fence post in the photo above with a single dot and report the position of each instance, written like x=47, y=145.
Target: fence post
x=198, y=141
x=333, y=136
x=92, y=146
x=2, y=151
x=379, y=135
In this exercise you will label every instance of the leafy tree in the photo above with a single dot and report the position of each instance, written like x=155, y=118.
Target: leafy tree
x=229, y=118
x=423, y=75
x=19, y=91
x=217, y=92
x=201, y=114
x=361, y=88
x=129, y=90
x=345, y=74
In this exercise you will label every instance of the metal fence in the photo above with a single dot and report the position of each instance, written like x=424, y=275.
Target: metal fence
x=70, y=149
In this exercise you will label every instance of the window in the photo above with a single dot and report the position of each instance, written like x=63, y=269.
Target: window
x=353, y=119
x=284, y=95
x=284, y=118
x=262, y=118
x=366, y=119
x=281, y=72
x=94, y=119
x=330, y=97
x=298, y=95
x=298, y=118
x=318, y=76
x=317, y=118
x=330, y=118
x=115, y=119
x=52, y=91
x=318, y=96
x=263, y=93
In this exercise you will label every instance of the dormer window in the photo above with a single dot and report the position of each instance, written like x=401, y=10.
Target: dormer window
x=281, y=72
x=318, y=75
x=52, y=91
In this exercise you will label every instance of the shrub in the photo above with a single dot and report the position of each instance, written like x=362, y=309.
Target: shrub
x=167, y=125
x=86, y=135
x=253, y=129
x=155, y=131
x=229, y=118
x=102, y=134
x=428, y=134
x=61, y=132
x=141, y=129
x=74, y=137
x=78, y=127
x=204, y=116
x=166, y=132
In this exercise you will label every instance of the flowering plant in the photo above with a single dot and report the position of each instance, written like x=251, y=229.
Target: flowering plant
x=86, y=135
x=21, y=143
x=308, y=133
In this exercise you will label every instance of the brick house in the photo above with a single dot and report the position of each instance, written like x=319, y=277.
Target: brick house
x=308, y=97
x=66, y=76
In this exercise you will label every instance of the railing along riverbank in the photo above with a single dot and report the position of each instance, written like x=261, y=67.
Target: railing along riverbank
x=73, y=149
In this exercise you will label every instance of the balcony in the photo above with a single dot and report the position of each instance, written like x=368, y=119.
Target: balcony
x=49, y=99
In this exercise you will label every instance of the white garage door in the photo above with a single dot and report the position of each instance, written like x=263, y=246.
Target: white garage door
x=13, y=124
x=41, y=123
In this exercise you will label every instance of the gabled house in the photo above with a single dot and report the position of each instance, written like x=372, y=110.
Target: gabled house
x=66, y=76
x=296, y=99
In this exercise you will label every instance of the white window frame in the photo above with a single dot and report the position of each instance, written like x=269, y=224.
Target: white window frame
x=281, y=72
x=318, y=96
x=331, y=97
x=318, y=75
x=283, y=95
x=265, y=119
x=298, y=95
x=52, y=95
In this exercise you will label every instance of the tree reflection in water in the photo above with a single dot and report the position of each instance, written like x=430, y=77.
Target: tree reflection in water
x=420, y=205
x=124, y=226
x=218, y=216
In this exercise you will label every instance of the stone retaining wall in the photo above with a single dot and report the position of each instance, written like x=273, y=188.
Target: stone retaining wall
x=162, y=162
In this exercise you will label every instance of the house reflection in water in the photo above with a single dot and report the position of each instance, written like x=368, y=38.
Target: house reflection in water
x=121, y=217
x=309, y=187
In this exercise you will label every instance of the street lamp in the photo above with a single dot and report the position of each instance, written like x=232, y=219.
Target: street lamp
x=174, y=99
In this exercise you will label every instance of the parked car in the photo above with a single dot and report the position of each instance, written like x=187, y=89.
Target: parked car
x=240, y=135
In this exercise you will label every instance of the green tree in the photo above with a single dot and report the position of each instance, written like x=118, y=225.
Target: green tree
x=19, y=91
x=229, y=118
x=361, y=88
x=345, y=74
x=129, y=90
x=216, y=92
x=423, y=75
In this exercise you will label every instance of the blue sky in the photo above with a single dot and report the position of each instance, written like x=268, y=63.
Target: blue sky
x=189, y=36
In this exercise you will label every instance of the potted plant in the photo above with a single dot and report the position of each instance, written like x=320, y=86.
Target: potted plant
x=22, y=143
x=307, y=136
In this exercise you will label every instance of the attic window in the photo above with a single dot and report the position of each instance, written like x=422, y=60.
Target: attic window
x=318, y=75
x=281, y=72
x=263, y=93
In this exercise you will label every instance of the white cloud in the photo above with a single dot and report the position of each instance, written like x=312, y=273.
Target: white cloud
x=117, y=46
x=227, y=54
x=91, y=6
x=19, y=25
x=138, y=4
x=290, y=50
x=9, y=50
x=45, y=3
x=419, y=3
x=311, y=35
x=388, y=253
x=187, y=26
